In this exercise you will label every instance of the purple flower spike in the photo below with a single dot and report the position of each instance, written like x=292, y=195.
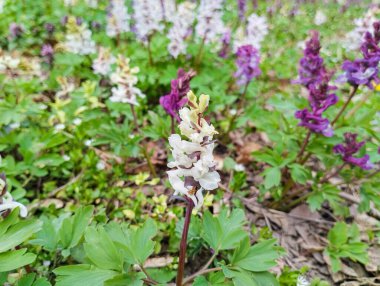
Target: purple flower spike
x=364, y=71
x=176, y=99
x=314, y=76
x=242, y=8
x=47, y=51
x=247, y=62
x=15, y=30
x=226, y=47
x=349, y=148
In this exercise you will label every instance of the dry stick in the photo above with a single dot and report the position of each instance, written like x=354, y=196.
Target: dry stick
x=183, y=245
x=200, y=272
x=352, y=93
x=144, y=149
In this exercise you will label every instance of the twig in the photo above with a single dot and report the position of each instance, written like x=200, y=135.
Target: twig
x=148, y=278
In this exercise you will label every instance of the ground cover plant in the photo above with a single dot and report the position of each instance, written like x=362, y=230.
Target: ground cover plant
x=208, y=142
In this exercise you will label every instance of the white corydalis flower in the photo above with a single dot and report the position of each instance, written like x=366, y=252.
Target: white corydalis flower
x=210, y=26
x=78, y=38
x=193, y=161
x=302, y=281
x=148, y=16
x=320, y=18
x=7, y=202
x=102, y=64
x=355, y=37
x=182, y=21
x=253, y=34
x=125, y=79
x=117, y=18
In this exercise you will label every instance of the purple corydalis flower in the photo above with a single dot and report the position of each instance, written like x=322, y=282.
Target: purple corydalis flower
x=349, y=148
x=176, y=99
x=226, y=47
x=314, y=122
x=15, y=30
x=242, y=8
x=364, y=71
x=49, y=27
x=247, y=62
x=314, y=76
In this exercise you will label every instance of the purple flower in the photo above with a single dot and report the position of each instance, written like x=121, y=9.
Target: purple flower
x=314, y=76
x=176, y=99
x=314, y=122
x=49, y=27
x=247, y=62
x=226, y=41
x=349, y=148
x=15, y=30
x=242, y=8
x=364, y=71
x=47, y=51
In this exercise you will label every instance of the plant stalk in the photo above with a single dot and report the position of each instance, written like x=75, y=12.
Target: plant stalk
x=351, y=95
x=183, y=245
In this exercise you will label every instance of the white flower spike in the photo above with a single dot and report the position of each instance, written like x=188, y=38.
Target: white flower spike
x=7, y=202
x=193, y=161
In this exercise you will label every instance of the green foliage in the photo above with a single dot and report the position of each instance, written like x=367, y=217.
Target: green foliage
x=344, y=242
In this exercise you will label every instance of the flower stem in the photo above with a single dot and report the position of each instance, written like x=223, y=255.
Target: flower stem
x=351, y=95
x=240, y=105
x=200, y=52
x=303, y=147
x=172, y=125
x=150, y=51
x=183, y=245
x=134, y=116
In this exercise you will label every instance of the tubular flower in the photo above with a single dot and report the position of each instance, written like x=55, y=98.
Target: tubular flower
x=117, y=18
x=350, y=148
x=247, y=62
x=314, y=76
x=226, y=44
x=176, y=99
x=193, y=162
x=210, y=25
x=78, y=38
x=102, y=64
x=125, y=80
x=6, y=200
x=253, y=34
x=182, y=21
x=365, y=71
x=148, y=16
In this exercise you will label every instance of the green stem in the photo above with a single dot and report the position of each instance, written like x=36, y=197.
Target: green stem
x=351, y=95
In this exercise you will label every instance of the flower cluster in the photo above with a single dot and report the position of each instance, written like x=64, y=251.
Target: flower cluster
x=193, y=165
x=314, y=76
x=350, y=148
x=242, y=8
x=247, y=62
x=117, y=18
x=182, y=21
x=210, y=25
x=365, y=71
x=15, y=30
x=176, y=99
x=226, y=44
x=253, y=34
x=102, y=64
x=47, y=51
x=148, y=16
x=78, y=38
x=355, y=37
x=6, y=201
x=125, y=80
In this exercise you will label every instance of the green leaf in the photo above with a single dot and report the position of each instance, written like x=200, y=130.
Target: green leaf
x=15, y=259
x=18, y=233
x=272, y=177
x=257, y=258
x=132, y=279
x=338, y=235
x=82, y=274
x=299, y=173
x=72, y=228
x=224, y=232
x=101, y=250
